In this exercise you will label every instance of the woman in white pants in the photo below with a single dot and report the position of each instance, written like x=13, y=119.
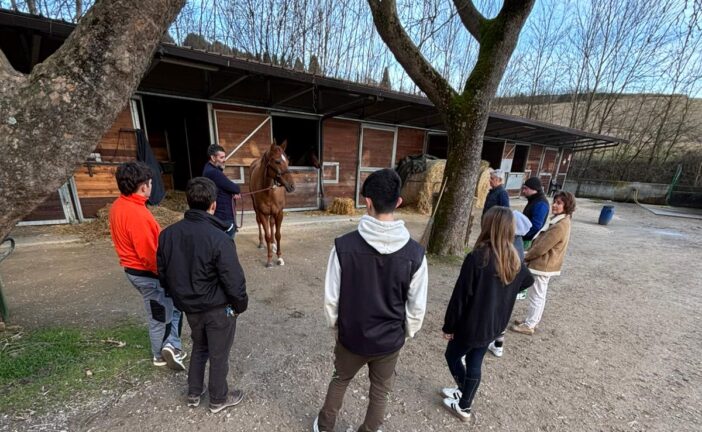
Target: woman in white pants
x=545, y=259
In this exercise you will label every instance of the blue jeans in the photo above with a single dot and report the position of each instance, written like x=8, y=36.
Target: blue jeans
x=467, y=377
x=164, y=319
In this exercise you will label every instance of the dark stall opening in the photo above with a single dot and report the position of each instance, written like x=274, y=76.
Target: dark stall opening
x=303, y=137
x=437, y=145
x=520, y=158
x=179, y=136
x=492, y=152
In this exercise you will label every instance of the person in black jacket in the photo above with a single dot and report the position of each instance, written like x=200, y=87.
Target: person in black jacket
x=480, y=306
x=537, y=208
x=198, y=266
x=227, y=190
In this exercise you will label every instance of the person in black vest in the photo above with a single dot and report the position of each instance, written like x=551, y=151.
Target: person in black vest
x=498, y=194
x=199, y=268
x=480, y=306
x=537, y=208
x=375, y=299
x=227, y=190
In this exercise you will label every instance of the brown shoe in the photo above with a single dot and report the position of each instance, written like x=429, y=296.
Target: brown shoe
x=522, y=328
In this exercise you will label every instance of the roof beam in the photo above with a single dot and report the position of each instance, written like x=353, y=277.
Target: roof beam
x=351, y=106
x=388, y=111
x=293, y=96
x=229, y=86
x=425, y=116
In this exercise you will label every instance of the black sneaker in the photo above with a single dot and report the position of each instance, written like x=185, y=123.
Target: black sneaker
x=173, y=358
x=233, y=398
x=194, y=400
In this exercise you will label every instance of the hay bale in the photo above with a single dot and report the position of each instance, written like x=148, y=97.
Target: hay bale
x=430, y=184
x=342, y=206
x=483, y=186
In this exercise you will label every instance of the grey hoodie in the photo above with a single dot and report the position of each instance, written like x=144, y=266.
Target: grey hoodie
x=386, y=238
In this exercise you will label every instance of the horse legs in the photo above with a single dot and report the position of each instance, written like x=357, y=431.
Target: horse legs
x=259, y=222
x=269, y=239
x=278, y=222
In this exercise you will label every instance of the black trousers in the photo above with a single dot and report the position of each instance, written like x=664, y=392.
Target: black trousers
x=213, y=335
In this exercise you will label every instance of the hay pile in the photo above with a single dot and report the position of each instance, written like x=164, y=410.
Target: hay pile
x=99, y=228
x=342, y=206
x=165, y=216
x=429, y=182
x=483, y=186
x=419, y=189
x=175, y=200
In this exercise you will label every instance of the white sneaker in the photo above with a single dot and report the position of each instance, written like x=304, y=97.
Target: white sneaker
x=173, y=358
x=451, y=393
x=495, y=350
x=452, y=405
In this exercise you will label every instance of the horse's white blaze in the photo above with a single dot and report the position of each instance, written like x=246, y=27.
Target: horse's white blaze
x=284, y=160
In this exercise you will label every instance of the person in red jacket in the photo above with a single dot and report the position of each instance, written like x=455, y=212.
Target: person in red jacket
x=135, y=236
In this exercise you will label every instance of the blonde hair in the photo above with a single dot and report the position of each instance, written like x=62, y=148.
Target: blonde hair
x=497, y=236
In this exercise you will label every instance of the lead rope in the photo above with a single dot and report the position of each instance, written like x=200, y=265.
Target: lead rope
x=241, y=219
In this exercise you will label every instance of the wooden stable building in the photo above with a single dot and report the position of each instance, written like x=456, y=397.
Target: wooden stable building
x=189, y=99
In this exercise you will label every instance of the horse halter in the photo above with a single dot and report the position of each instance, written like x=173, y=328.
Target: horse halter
x=278, y=178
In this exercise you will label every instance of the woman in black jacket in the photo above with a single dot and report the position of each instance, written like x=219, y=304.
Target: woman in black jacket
x=480, y=306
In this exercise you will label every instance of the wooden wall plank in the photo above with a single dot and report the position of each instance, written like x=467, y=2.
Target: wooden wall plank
x=116, y=146
x=50, y=209
x=341, y=138
x=409, y=142
x=534, y=159
x=377, y=148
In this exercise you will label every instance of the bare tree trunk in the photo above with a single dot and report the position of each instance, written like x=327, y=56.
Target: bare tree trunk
x=13, y=5
x=79, y=10
x=53, y=118
x=465, y=114
x=32, y=7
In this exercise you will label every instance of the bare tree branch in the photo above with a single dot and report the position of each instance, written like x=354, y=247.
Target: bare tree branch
x=408, y=55
x=470, y=16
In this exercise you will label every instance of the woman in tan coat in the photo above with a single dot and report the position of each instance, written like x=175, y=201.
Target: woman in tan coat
x=545, y=259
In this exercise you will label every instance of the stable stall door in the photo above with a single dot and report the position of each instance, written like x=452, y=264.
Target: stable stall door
x=377, y=151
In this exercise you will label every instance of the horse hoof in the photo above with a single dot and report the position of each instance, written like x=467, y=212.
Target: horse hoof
x=281, y=262
x=269, y=264
x=260, y=245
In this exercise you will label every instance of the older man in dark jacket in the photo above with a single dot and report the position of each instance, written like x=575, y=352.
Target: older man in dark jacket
x=198, y=266
x=227, y=190
x=498, y=194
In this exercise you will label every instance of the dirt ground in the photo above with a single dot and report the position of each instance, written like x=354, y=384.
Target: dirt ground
x=617, y=349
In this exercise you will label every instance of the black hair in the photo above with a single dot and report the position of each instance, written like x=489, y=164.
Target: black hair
x=213, y=149
x=131, y=175
x=201, y=192
x=383, y=189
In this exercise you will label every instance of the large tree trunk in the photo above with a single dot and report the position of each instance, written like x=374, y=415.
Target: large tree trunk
x=465, y=114
x=53, y=118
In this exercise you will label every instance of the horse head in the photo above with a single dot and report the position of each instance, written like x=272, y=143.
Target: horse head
x=277, y=166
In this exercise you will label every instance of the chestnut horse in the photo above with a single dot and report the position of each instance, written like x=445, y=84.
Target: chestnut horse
x=267, y=174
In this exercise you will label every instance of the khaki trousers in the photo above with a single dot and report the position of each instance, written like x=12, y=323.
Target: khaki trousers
x=381, y=372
